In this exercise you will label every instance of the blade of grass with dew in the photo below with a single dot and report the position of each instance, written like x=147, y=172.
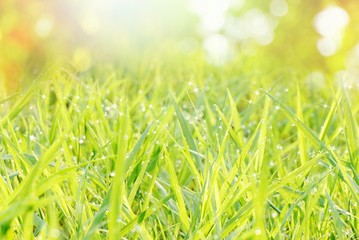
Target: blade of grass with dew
x=295, y=120
x=25, y=185
x=187, y=134
x=351, y=127
x=118, y=191
x=142, y=216
x=301, y=198
x=99, y=216
x=337, y=222
x=301, y=141
x=234, y=192
x=18, y=106
x=330, y=116
x=210, y=117
x=177, y=192
x=237, y=125
x=319, y=145
x=240, y=160
x=236, y=139
x=209, y=194
x=140, y=177
x=310, y=208
x=261, y=190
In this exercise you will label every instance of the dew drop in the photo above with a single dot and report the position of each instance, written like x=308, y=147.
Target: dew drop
x=258, y=232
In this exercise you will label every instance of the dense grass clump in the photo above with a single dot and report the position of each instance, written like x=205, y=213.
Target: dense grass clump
x=159, y=152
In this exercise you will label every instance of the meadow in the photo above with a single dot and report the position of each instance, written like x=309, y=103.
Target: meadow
x=180, y=149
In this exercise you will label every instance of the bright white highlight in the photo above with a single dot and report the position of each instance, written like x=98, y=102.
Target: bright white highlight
x=327, y=46
x=278, y=8
x=253, y=25
x=330, y=24
x=331, y=21
x=258, y=232
x=90, y=24
x=221, y=29
x=259, y=26
x=211, y=12
x=217, y=49
x=43, y=27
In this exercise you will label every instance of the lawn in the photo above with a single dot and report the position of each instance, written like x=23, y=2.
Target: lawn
x=172, y=151
x=166, y=119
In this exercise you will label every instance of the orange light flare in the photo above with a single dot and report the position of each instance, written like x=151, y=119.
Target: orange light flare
x=18, y=44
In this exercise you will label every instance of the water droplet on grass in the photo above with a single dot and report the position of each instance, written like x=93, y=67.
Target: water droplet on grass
x=258, y=232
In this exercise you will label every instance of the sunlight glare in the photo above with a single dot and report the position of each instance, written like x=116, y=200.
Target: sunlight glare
x=90, y=24
x=43, y=27
x=331, y=21
x=212, y=13
x=330, y=24
x=217, y=49
x=327, y=46
x=278, y=8
x=260, y=26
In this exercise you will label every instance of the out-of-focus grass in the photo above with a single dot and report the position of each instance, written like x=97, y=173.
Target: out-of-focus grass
x=179, y=150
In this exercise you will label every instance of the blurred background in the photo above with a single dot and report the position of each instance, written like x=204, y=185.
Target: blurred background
x=320, y=37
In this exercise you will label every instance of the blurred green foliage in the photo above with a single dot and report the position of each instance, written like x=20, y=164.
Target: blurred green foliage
x=36, y=33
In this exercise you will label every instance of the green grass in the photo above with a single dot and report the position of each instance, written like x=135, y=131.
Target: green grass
x=179, y=151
